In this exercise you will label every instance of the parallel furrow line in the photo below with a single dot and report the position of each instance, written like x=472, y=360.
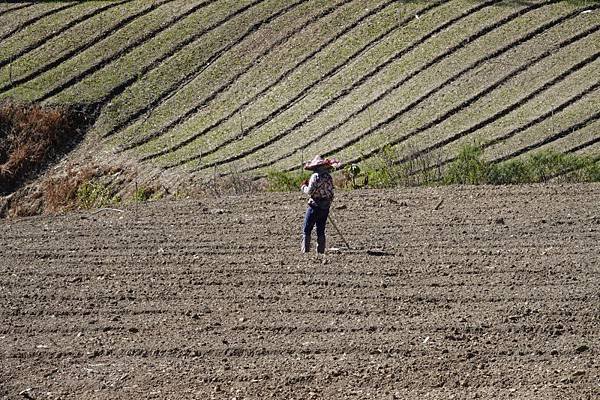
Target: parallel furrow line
x=120, y=88
x=519, y=104
x=281, y=78
x=60, y=31
x=236, y=352
x=569, y=102
x=398, y=84
x=188, y=114
x=15, y=9
x=45, y=68
x=137, y=43
x=36, y=19
x=448, y=82
x=343, y=93
x=584, y=145
x=192, y=75
x=551, y=138
x=305, y=92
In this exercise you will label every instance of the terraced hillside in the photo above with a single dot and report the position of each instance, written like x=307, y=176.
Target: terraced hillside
x=251, y=85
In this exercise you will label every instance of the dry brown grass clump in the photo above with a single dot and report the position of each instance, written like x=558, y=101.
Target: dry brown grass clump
x=31, y=136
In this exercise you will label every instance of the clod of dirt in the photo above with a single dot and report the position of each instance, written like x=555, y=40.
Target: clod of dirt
x=582, y=348
x=378, y=253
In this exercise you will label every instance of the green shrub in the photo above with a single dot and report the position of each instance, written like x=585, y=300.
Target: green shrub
x=93, y=193
x=468, y=168
x=281, y=181
x=142, y=194
x=508, y=173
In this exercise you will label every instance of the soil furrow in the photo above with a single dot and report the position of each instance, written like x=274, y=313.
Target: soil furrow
x=452, y=79
x=121, y=87
x=550, y=138
x=569, y=102
x=547, y=85
x=47, y=67
x=59, y=32
x=192, y=75
x=16, y=8
x=280, y=79
x=330, y=74
x=584, y=145
x=122, y=51
x=36, y=19
x=189, y=113
x=398, y=84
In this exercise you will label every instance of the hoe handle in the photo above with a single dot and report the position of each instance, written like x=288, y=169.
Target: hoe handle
x=338, y=230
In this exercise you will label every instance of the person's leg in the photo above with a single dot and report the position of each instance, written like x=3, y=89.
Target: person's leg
x=321, y=221
x=307, y=227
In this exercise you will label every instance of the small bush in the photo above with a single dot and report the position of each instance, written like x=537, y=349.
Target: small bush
x=143, y=194
x=79, y=187
x=544, y=166
x=468, y=168
x=281, y=181
x=94, y=193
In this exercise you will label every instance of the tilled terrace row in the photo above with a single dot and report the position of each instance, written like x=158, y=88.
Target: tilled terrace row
x=492, y=295
x=374, y=134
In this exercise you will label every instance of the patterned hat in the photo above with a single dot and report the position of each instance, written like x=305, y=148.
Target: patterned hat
x=319, y=161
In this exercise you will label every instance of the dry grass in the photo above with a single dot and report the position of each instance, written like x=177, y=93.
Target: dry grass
x=31, y=135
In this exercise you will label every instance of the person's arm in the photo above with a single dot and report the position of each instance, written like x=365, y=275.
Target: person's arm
x=311, y=186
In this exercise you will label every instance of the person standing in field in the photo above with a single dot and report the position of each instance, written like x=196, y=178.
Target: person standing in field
x=320, y=189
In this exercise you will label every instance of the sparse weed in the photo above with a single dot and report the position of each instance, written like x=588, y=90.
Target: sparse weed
x=391, y=169
x=94, y=193
x=143, y=194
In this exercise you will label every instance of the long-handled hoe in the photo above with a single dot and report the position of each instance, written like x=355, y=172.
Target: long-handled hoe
x=338, y=231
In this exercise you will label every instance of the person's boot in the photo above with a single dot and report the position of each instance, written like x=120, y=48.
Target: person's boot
x=305, y=244
x=320, y=244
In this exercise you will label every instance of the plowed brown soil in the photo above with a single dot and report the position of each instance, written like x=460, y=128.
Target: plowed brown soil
x=493, y=295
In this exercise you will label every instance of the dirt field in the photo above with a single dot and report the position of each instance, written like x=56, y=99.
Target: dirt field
x=493, y=295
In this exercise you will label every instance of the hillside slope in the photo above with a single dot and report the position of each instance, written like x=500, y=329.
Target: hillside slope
x=251, y=85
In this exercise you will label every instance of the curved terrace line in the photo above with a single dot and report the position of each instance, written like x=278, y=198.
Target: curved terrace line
x=275, y=83
x=120, y=88
x=572, y=100
x=304, y=92
x=464, y=104
x=115, y=28
x=188, y=114
x=60, y=31
x=398, y=84
x=582, y=146
x=551, y=138
x=121, y=52
x=197, y=71
x=17, y=8
x=290, y=103
x=521, y=102
x=36, y=19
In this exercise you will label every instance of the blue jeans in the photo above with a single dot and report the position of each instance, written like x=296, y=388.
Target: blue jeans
x=314, y=216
